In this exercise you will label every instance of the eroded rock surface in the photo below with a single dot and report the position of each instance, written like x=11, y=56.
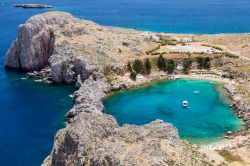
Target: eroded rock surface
x=94, y=138
x=71, y=46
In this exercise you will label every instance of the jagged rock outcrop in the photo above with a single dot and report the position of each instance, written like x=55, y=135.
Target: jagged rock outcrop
x=71, y=46
x=32, y=49
x=94, y=138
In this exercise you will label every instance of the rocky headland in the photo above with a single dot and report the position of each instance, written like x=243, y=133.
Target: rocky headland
x=60, y=48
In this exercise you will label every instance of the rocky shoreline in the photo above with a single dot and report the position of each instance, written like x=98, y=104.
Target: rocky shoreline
x=98, y=140
x=59, y=48
x=240, y=106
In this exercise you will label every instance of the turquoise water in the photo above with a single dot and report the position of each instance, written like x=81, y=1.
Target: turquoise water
x=31, y=112
x=207, y=118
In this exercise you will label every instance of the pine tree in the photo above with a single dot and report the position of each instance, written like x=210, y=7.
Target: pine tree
x=147, y=66
x=187, y=65
x=170, y=66
x=206, y=63
x=138, y=66
x=203, y=62
x=161, y=63
x=199, y=60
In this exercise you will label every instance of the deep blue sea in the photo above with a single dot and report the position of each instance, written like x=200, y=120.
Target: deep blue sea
x=207, y=118
x=32, y=112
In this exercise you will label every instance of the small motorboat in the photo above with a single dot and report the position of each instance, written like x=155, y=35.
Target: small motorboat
x=185, y=104
x=197, y=92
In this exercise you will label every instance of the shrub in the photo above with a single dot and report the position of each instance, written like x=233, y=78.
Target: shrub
x=147, y=66
x=153, y=50
x=215, y=47
x=230, y=55
x=138, y=66
x=133, y=75
x=228, y=156
x=228, y=75
x=129, y=67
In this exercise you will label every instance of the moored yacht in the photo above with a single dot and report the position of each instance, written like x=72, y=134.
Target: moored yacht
x=185, y=103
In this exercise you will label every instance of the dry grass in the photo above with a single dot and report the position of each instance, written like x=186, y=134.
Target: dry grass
x=229, y=157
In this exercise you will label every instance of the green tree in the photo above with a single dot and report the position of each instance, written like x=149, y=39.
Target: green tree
x=170, y=66
x=129, y=67
x=199, y=61
x=147, y=66
x=161, y=64
x=203, y=62
x=187, y=65
x=138, y=66
x=133, y=75
x=206, y=63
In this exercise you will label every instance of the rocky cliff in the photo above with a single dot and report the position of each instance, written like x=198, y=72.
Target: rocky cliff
x=74, y=50
x=70, y=46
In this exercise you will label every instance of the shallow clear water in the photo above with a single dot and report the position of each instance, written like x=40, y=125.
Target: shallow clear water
x=207, y=118
x=32, y=112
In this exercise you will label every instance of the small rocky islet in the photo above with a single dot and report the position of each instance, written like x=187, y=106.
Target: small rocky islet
x=32, y=6
x=63, y=49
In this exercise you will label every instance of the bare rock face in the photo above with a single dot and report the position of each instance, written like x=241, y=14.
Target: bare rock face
x=33, y=47
x=31, y=50
x=63, y=42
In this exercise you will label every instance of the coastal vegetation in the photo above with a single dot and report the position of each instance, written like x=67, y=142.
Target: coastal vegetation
x=215, y=47
x=161, y=64
x=203, y=62
x=230, y=55
x=186, y=64
x=129, y=67
x=228, y=156
x=147, y=66
x=133, y=75
x=153, y=50
x=138, y=66
x=170, y=66
x=165, y=65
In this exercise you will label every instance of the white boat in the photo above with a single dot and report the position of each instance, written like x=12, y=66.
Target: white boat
x=197, y=92
x=185, y=103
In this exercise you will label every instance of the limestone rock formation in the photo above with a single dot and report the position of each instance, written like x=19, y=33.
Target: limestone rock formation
x=71, y=46
x=94, y=138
